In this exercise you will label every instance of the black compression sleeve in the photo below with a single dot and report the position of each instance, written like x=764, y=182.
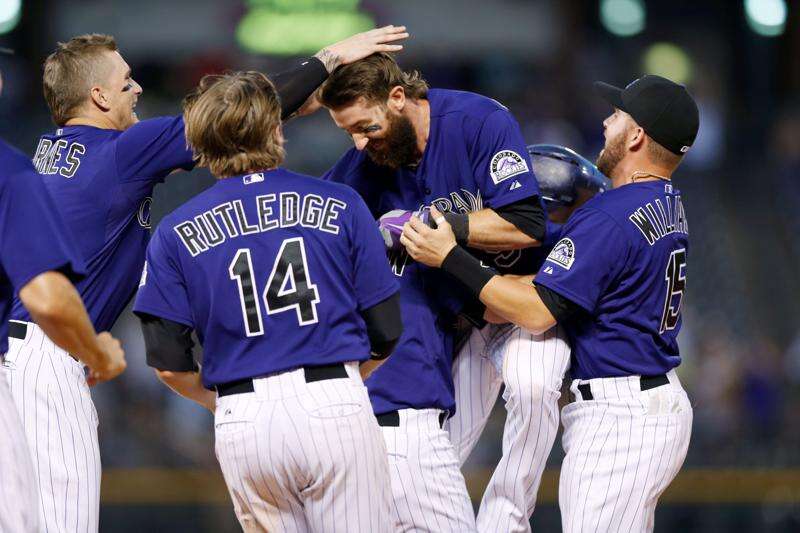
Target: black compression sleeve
x=294, y=86
x=527, y=215
x=560, y=307
x=384, y=326
x=463, y=266
x=168, y=344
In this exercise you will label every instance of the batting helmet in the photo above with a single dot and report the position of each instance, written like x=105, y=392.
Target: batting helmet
x=561, y=172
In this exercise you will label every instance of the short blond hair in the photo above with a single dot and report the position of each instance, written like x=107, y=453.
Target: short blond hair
x=232, y=123
x=71, y=71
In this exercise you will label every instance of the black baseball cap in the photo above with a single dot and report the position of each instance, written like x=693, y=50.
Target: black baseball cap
x=664, y=109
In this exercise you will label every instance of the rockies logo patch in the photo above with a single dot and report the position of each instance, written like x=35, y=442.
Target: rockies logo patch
x=506, y=164
x=563, y=253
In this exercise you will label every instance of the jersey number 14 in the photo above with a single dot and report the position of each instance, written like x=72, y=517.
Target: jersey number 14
x=289, y=286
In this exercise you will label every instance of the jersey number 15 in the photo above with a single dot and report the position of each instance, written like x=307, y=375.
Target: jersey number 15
x=289, y=286
x=676, y=284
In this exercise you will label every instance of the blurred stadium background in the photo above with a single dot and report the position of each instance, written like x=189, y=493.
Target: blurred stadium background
x=741, y=184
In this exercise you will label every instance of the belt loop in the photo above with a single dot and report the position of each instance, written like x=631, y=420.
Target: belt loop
x=586, y=392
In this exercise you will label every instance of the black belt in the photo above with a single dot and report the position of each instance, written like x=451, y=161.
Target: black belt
x=312, y=374
x=392, y=419
x=645, y=383
x=19, y=330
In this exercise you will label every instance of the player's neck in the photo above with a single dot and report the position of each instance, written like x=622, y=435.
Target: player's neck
x=638, y=170
x=96, y=121
x=419, y=112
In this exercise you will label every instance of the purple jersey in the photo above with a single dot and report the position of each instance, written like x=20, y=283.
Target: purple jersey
x=272, y=270
x=32, y=240
x=475, y=158
x=102, y=181
x=622, y=258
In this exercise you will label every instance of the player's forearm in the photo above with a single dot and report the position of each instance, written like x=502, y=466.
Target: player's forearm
x=190, y=386
x=517, y=303
x=492, y=317
x=56, y=307
x=489, y=231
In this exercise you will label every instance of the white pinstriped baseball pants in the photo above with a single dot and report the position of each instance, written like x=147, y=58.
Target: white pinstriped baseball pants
x=300, y=456
x=623, y=448
x=53, y=401
x=428, y=488
x=19, y=501
x=533, y=367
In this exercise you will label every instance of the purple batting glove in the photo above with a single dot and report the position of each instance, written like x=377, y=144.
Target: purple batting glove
x=391, y=225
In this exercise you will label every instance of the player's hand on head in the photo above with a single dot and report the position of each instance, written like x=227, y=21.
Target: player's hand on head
x=114, y=361
x=362, y=45
x=427, y=245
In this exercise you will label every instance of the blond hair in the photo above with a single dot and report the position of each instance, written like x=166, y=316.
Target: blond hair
x=71, y=71
x=232, y=123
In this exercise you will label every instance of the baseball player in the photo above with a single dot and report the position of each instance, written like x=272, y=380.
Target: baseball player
x=531, y=366
x=306, y=294
x=38, y=262
x=464, y=153
x=615, y=281
x=101, y=165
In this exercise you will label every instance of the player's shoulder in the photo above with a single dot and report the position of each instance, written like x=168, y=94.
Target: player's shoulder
x=452, y=102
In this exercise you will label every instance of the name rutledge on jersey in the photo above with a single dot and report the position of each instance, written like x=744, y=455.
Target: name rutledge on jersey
x=229, y=220
x=655, y=220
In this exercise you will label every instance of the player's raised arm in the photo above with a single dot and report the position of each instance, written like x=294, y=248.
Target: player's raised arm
x=297, y=85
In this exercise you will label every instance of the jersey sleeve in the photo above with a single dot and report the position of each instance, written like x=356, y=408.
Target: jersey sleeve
x=500, y=161
x=588, y=258
x=34, y=239
x=151, y=149
x=373, y=278
x=162, y=288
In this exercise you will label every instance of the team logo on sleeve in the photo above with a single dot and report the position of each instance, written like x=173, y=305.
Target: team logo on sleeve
x=506, y=164
x=563, y=253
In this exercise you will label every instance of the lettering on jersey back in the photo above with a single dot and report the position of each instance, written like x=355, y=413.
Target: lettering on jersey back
x=656, y=220
x=59, y=157
x=229, y=220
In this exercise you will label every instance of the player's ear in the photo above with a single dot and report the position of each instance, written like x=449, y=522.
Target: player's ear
x=397, y=99
x=99, y=97
x=636, y=137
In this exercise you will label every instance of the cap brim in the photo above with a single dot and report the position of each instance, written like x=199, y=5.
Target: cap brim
x=6, y=51
x=609, y=93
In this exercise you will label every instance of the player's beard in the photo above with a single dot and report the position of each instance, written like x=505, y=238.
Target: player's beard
x=399, y=147
x=611, y=155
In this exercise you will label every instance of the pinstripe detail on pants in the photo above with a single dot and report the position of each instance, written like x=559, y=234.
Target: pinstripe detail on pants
x=19, y=501
x=53, y=400
x=533, y=370
x=623, y=449
x=300, y=456
x=429, y=490
x=533, y=367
